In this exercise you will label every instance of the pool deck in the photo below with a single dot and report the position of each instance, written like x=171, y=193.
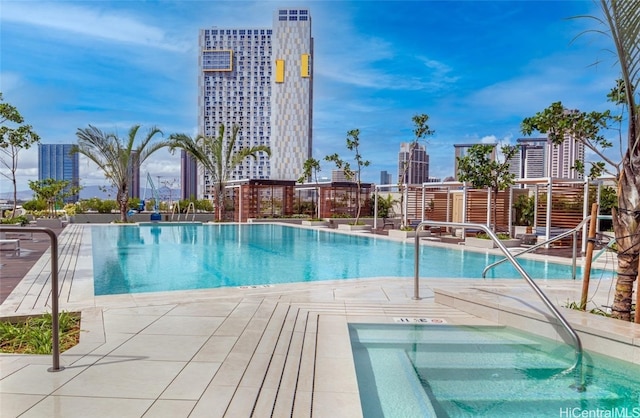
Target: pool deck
x=278, y=351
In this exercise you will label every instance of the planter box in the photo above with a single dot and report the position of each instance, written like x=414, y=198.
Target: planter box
x=318, y=224
x=397, y=233
x=49, y=223
x=487, y=243
x=347, y=227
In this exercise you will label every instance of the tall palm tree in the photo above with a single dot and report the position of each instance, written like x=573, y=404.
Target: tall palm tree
x=623, y=19
x=218, y=156
x=117, y=157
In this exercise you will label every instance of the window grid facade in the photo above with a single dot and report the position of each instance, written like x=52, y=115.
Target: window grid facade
x=55, y=161
x=244, y=92
x=417, y=169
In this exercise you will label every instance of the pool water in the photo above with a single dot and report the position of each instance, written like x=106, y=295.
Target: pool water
x=161, y=257
x=407, y=370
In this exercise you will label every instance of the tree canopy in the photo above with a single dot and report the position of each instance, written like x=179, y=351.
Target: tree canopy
x=218, y=156
x=15, y=136
x=118, y=157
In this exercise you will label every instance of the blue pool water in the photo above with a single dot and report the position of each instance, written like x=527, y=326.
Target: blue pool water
x=158, y=257
x=407, y=370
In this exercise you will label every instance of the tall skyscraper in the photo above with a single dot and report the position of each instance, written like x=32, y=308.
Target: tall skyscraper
x=260, y=79
x=55, y=161
x=413, y=167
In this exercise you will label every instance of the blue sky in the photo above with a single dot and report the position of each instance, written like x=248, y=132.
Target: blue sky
x=477, y=68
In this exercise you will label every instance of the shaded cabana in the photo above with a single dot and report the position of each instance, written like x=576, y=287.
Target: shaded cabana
x=339, y=199
x=457, y=202
x=254, y=199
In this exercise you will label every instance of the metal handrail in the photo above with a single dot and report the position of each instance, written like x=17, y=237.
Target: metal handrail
x=577, y=366
x=191, y=205
x=572, y=231
x=55, y=320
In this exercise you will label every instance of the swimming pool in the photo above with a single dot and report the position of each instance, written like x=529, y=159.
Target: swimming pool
x=407, y=370
x=164, y=257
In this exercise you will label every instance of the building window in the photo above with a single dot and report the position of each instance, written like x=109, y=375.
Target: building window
x=217, y=60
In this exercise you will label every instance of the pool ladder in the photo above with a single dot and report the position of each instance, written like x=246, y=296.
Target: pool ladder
x=576, y=368
x=573, y=232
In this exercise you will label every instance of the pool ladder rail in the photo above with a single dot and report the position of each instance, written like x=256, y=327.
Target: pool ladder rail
x=573, y=231
x=577, y=366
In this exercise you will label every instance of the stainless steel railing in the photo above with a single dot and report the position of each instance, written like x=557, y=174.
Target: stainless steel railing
x=573, y=231
x=577, y=344
x=55, y=319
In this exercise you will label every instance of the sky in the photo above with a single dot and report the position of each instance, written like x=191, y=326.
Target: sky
x=477, y=68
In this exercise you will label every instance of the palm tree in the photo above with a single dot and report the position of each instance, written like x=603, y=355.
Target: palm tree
x=218, y=157
x=117, y=157
x=623, y=20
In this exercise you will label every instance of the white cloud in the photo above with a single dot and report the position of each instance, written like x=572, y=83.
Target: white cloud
x=92, y=22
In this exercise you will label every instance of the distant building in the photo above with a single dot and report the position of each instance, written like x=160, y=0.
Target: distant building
x=563, y=158
x=538, y=158
x=188, y=176
x=531, y=159
x=55, y=161
x=413, y=167
x=461, y=150
x=338, y=176
x=385, y=178
x=261, y=80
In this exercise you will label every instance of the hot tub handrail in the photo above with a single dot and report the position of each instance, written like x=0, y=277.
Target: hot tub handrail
x=577, y=366
x=565, y=234
x=55, y=319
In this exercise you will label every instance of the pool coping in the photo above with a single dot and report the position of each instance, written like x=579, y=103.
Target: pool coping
x=516, y=308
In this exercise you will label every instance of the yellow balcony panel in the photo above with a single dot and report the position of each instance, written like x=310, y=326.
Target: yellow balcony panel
x=279, y=71
x=304, y=65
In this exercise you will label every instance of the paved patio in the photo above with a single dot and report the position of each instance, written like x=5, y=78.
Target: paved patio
x=275, y=351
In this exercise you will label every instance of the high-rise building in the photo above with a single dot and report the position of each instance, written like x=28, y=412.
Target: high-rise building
x=188, y=176
x=385, y=177
x=531, y=159
x=461, y=151
x=413, y=165
x=538, y=158
x=563, y=157
x=261, y=80
x=55, y=161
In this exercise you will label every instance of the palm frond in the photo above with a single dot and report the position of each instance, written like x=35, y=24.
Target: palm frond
x=623, y=19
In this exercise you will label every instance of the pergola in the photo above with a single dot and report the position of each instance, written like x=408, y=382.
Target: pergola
x=435, y=201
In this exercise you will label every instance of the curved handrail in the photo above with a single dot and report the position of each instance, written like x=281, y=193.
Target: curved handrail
x=175, y=209
x=577, y=366
x=541, y=244
x=55, y=324
x=191, y=205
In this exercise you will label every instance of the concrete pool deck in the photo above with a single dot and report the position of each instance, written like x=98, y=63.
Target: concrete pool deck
x=279, y=350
